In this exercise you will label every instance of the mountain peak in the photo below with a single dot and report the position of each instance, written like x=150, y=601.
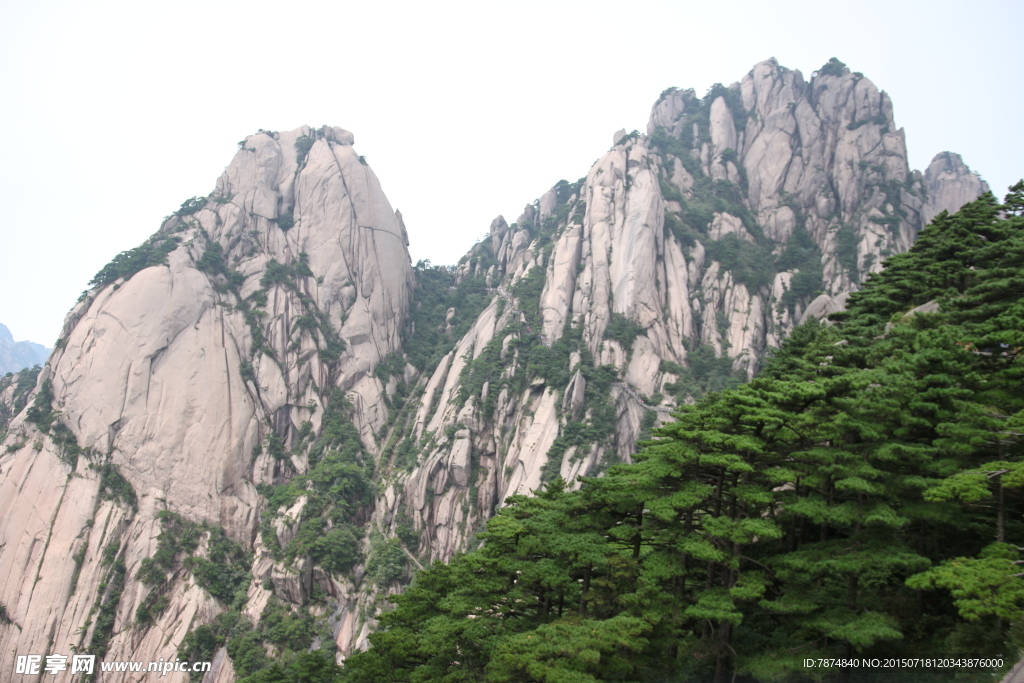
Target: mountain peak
x=15, y=356
x=268, y=380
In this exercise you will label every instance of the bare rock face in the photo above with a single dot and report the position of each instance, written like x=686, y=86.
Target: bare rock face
x=267, y=385
x=179, y=386
x=816, y=173
x=950, y=185
x=670, y=270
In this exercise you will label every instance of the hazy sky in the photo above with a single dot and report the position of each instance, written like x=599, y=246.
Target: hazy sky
x=113, y=113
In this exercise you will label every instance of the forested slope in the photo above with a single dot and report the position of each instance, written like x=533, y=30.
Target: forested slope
x=861, y=496
x=264, y=420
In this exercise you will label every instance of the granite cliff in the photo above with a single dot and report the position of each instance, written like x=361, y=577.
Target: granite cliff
x=671, y=269
x=265, y=414
x=177, y=385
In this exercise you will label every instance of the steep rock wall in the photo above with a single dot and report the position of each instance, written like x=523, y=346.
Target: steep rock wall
x=680, y=260
x=172, y=383
x=270, y=378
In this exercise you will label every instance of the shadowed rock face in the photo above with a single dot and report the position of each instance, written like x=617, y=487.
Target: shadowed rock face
x=284, y=302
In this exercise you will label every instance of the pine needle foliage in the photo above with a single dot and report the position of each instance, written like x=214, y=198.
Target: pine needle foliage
x=862, y=497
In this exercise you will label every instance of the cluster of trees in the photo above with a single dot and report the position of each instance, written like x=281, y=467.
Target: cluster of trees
x=753, y=263
x=429, y=336
x=861, y=497
x=337, y=488
x=153, y=252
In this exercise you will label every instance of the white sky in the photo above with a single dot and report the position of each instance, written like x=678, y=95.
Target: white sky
x=115, y=112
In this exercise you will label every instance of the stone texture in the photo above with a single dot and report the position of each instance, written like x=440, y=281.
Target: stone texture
x=816, y=155
x=150, y=379
x=158, y=375
x=950, y=184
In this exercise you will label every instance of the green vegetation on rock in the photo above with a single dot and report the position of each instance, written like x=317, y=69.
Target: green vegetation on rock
x=113, y=486
x=833, y=67
x=153, y=252
x=705, y=373
x=288, y=633
x=862, y=497
x=42, y=414
x=623, y=330
x=303, y=144
x=430, y=335
x=802, y=255
x=338, y=496
x=108, y=597
x=222, y=569
x=23, y=381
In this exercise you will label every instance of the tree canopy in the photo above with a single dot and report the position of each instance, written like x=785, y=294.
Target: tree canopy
x=860, y=497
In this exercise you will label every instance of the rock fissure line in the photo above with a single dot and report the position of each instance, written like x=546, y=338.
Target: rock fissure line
x=441, y=488
x=633, y=395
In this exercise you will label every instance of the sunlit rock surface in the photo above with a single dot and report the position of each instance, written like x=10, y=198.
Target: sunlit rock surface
x=203, y=380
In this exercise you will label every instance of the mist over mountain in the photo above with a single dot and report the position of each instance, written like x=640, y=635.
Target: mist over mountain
x=17, y=355
x=265, y=419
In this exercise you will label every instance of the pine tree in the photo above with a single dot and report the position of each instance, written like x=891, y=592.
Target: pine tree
x=861, y=497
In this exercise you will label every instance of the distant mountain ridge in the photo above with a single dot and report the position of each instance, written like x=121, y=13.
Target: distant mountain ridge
x=15, y=356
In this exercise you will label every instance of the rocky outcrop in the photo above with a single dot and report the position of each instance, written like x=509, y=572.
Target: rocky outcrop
x=187, y=381
x=818, y=172
x=950, y=185
x=269, y=379
x=680, y=260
